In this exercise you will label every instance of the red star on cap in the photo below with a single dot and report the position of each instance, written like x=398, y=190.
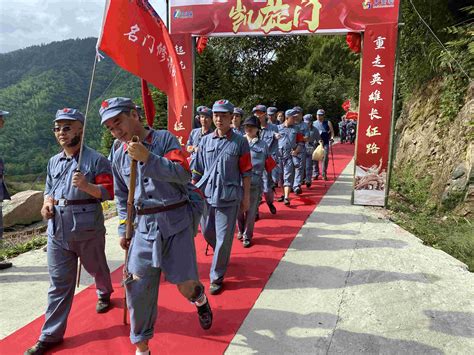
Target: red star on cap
x=65, y=110
x=105, y=104
x=221, y=102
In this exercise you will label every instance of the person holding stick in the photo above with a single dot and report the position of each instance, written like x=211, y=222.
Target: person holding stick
x=72, y=206
x=163, y=238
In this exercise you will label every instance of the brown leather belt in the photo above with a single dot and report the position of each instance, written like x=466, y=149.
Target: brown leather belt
x=152, y=210
x=64, y=202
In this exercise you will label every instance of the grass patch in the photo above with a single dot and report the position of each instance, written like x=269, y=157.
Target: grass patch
x=8, y=252
x=435, y=225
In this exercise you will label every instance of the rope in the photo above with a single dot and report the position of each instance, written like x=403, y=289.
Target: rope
x=439, y=41
x=87, y=110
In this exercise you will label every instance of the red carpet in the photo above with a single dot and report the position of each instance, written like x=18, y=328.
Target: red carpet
x=177, y=330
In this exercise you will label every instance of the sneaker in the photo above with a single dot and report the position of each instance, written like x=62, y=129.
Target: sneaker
x=315, y=177
x=215, y=289
x=281, y=198
x=298, y=190
x=5, y=265
x=103, y=305
x=205, y=315
x=287, y=202
x=240, y=236
x=246, y=243
x=308, y=184
x=41, y=346
x=272, y=208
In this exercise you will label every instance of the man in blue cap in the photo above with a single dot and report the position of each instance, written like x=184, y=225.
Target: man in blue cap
x=72, y=206
x=299, y=160
x=163, y=237
x=223, y=172
x=271, y=114
x=205, y=119
x=261, y=161
x=269, y=135
x=289, y=145
x=4, y=195
x=237, y=118
x=311, y=143
x=326, y=131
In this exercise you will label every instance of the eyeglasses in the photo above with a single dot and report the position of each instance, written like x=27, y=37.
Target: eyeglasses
x=63, y=129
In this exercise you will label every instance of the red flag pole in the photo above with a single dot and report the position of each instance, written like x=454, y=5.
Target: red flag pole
x=148, y=104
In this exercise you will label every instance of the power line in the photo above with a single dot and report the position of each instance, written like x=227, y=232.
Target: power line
x=439, y=41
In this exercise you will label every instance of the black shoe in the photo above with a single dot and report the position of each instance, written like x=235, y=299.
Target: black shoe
x=205, y=315
x=246, y=243
x=325, y=177
x=272, y=208
x=316, y=177
x=5, y=265
x=103, y=305
x=41, y=346
x=240, y=236
x=215, y=289
x=281, y=198
x=287, y=202
x=308, y=184
x=257, y=216
x=298, y=191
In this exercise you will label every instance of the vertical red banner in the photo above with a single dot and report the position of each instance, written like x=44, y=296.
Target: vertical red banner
x=375, y=114
x=181, y=126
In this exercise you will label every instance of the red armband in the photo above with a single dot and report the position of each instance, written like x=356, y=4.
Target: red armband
x=245, y=163
x=178, y=156
x=270, y=164
x=299, y=138
x=107, y=181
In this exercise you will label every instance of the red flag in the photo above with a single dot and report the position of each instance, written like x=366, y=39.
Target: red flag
x=148, y=104
x=201, y=44
x=352, y=116
x=346, y=105
x=353, y=41
x=135, y=37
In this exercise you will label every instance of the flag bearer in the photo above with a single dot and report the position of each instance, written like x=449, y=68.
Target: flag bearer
x=72, y=206
x=163, y=237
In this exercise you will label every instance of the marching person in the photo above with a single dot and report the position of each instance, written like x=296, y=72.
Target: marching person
x=223, y=172
x=289, y=146
x=163, y=237
x=269, y=134
x=76, y=228
x=4, y=195
x=311, y=143
x=205, y=119
x=326, y=131
x=237, y=118
x=261, y=161
x=272, y=115
x=299, y=160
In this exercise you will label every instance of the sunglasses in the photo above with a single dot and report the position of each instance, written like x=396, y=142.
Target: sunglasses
x=63, y=129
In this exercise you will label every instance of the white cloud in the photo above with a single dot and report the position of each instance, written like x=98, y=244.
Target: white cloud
x=25, y=23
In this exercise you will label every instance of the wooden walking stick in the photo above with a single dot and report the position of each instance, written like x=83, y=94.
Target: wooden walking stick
x=129, y=225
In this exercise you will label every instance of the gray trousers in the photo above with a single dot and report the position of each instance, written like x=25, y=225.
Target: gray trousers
x=178, y=262
x=62, y=267
x=299, y=163
x=309, y=167
x=246, y=221
x=324, y=163
x=267, y=187
x=218, y=227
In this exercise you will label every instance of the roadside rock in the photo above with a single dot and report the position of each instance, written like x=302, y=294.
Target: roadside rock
x=24, y=208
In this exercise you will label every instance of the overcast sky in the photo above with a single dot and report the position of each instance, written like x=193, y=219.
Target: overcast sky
x=25, y=23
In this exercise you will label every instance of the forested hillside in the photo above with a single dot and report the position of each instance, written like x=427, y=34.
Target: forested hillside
x=37, y=81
